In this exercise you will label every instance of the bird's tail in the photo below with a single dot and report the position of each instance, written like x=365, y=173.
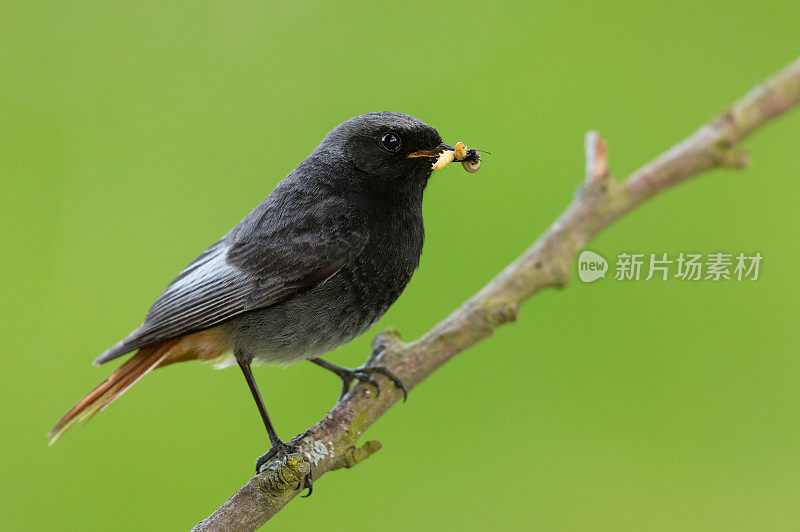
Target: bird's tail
x=128, y=374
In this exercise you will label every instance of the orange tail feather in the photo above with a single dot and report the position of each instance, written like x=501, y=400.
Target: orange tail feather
x=128, y=374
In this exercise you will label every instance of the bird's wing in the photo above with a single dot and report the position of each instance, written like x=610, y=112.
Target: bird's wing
x=272, y=255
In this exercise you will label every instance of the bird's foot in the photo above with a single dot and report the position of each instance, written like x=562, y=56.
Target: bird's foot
x=286, y=450
x=363, y=374
x=278, y=448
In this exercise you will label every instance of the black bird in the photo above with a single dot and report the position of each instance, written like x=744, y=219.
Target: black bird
x=315, y=265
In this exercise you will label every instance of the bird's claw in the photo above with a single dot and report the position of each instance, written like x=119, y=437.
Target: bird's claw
x=307, y=483
x=285, y=449
x=363, y=374
x=277, y=448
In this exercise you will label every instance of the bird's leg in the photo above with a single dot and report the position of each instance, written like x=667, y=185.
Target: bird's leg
x=278, y=446
x=363, y=374
x=276, y=442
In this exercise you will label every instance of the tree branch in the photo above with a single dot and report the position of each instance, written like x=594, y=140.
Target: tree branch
x=601, y=200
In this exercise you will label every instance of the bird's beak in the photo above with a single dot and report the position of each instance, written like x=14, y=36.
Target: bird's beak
x=435, y=153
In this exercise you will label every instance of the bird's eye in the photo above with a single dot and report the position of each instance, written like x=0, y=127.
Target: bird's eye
x=391, y=142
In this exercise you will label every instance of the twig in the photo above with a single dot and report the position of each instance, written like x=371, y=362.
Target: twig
x=601, y=200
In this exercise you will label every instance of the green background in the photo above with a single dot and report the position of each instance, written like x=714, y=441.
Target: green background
x=132, y=136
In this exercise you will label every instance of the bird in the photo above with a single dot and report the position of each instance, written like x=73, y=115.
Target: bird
x=310, y=268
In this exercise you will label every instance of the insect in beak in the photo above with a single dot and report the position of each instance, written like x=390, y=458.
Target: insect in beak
x=470, y=158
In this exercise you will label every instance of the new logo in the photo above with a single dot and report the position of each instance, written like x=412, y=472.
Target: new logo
x=591, y=266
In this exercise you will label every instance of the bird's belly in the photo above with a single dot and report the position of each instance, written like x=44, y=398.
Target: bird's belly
x=313, y=323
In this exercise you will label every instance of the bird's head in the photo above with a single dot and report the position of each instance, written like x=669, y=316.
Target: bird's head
x=387, y=148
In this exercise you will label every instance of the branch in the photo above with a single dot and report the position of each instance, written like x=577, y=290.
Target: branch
x=601, y=200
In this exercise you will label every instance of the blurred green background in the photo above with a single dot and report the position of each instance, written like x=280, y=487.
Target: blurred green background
x=132, y=136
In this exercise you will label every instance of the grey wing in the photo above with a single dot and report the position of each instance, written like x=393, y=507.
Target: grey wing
x=249, y=270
